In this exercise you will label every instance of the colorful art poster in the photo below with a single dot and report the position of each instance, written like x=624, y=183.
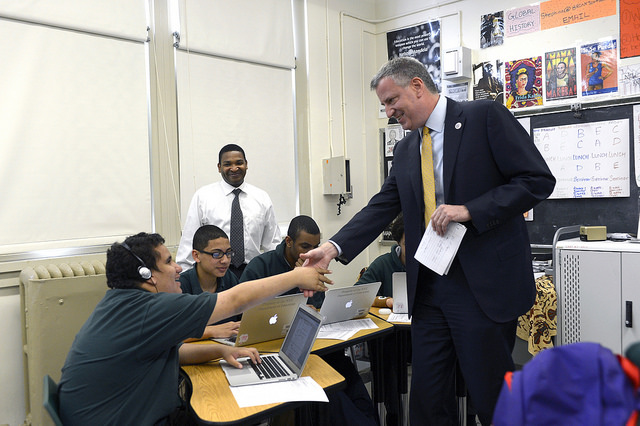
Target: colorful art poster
x=523, y=82
x=488, y=82
x=560, y=69
x=522, y=20
x=559, y=13
x=599, y=66
x=629, y=28
x=421, y=42
x=491, y=29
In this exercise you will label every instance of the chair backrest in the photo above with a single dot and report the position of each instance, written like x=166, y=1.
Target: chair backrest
x=50, y=399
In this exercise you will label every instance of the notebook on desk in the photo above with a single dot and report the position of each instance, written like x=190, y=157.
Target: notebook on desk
x=289, y=362
x=399, y=286
x=346, y=303
x=267, y=321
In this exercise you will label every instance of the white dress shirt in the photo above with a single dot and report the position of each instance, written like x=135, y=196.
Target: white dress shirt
x=211, y=205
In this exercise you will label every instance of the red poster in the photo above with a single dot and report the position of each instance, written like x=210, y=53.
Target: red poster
x=629, y=28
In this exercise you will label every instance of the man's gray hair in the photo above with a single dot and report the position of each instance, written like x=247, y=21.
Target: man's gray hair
x=402, y=71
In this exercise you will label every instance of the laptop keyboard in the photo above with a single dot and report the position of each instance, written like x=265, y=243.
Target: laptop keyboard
x=270, y=367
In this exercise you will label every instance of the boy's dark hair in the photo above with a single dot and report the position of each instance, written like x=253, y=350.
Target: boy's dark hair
x=302, y=223
x=122, y=264
x=206, y=233
x=397, y=228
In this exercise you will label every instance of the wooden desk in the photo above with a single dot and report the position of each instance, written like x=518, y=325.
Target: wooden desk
x=212, y=402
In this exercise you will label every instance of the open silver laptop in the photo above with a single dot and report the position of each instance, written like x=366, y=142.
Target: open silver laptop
x=346, y=303
x=399, y=288
x=267, y=321
x=289, y=362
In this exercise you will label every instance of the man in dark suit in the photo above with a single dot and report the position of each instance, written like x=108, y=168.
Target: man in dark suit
x=486, y=173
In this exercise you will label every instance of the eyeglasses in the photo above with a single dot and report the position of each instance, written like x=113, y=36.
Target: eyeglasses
x=217, y=254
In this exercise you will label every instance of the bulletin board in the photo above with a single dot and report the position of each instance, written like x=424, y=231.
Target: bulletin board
x=618, y=212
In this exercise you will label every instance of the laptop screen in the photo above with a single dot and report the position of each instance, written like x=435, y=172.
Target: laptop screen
x=302, y=334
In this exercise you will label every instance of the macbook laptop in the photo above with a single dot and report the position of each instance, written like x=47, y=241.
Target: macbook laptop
x=346, y=303
x=400, y=300
x=289, y=362
x=267, y=321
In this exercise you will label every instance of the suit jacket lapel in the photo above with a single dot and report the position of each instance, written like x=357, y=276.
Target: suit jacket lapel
x=453, y=128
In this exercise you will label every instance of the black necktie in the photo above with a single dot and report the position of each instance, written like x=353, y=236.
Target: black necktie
x=237, y=230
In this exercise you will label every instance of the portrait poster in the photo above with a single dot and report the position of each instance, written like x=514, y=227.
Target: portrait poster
x=523, y=82
x=421, y=42
x=629, y=28
x=488, y=81
x=491, y=29
x=390, y=137
x=599, y=66
x=560, y=68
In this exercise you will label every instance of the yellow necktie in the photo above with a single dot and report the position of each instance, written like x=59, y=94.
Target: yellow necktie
x=428, y=183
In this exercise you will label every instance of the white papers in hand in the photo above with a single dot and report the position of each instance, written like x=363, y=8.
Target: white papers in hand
x=437, y=252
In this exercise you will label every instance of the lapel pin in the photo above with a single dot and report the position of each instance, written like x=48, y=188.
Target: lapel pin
x=458, y=125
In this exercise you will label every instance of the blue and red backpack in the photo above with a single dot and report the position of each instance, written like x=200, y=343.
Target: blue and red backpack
x=578, y=384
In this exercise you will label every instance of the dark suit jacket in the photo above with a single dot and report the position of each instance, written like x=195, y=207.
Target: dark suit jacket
x=491, y=166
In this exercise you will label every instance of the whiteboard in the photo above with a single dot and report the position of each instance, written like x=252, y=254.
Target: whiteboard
x=588, y=160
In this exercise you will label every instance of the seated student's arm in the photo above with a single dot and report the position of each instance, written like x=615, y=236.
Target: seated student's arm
x=219, y=331
x=251, y=293
x=190, y=353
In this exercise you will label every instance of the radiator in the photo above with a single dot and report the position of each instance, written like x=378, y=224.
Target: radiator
x=55, y=301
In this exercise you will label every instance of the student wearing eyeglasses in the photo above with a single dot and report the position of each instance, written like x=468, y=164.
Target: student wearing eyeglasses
x=212, y=255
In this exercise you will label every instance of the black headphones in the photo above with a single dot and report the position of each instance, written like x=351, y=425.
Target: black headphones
x=145, y=273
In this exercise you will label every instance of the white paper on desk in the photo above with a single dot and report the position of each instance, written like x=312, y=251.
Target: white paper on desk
x=437, y=252
x=399, y=318
x=303, y=389
x=344, y=330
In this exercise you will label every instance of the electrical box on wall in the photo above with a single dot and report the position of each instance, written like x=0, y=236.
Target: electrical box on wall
x=456, y=64
x=336, y=176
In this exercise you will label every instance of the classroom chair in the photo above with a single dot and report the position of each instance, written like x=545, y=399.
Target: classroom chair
x=50, y=399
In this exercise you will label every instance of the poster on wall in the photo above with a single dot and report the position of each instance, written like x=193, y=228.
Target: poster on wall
x=588, y=160
x=522, y=20
x=421, y=42
x=560, y=69
x=523, y=82
x=629, y=28
x=491, y=29
x=456, y=91
x=488, y=82
x=599, y=65
x=629, y=80
x=390, y=137
x=560, y=13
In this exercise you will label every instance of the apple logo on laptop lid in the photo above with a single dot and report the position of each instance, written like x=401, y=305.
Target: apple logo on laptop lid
x=349, y=304
x=273, y=319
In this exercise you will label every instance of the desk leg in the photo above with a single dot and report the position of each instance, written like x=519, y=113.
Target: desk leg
x=377, y=378
x=403, y=357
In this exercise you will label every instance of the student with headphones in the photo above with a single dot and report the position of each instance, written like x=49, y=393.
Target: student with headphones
x=123, y=365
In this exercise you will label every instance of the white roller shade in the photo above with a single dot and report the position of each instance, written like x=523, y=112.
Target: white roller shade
x=216, y=27
x=222, y=101
x=121, y=18
x=74, y=156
